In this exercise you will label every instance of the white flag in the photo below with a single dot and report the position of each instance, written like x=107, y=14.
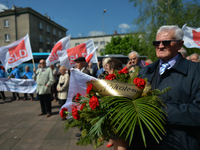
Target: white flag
x=16, y=53
x=191, y=37
x=68, y=56
x=77, y=84
x=62, y=45
x=92, y=57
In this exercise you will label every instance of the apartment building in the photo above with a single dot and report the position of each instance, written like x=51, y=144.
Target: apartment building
x=15, y=23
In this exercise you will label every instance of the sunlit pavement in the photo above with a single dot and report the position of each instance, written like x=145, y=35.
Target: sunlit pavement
x=22, y=129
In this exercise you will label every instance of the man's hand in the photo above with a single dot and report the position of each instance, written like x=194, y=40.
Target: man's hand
x=8, y=77
x=47, y=85
x=129, y=64
x=34, y=70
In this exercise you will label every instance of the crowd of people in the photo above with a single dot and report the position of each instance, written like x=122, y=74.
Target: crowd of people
x=172, y=69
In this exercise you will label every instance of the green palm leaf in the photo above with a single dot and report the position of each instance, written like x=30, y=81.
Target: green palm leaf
x=142, y=112
x=96, y=129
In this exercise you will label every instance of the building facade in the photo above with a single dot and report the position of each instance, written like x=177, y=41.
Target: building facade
x=102, y=40
x=15, y=23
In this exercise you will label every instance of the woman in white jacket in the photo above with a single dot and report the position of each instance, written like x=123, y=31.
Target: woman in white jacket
x=63, y=85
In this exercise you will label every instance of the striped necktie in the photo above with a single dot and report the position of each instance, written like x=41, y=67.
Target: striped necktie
x=164, y=66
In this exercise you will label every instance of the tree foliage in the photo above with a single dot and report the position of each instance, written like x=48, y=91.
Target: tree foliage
x=155, y=13
x=124, y=45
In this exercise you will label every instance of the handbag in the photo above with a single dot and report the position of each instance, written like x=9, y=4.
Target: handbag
x=24, y=77
x=12, y=76
x=61, y=84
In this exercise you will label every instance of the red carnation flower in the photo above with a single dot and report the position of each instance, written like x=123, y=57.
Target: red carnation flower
x=139, y=82
x=77, y=97
x=124, y=70
x=89, y=88
x=93, y=102
x=62, y=113
x=75, y=113
x=110, y=77
x=83, y=105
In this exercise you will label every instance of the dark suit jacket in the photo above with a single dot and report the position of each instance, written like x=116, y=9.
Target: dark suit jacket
x=182, y=101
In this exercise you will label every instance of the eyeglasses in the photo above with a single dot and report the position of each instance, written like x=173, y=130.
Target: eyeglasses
x=164, y=43
x=42, y=63
x=132, y=59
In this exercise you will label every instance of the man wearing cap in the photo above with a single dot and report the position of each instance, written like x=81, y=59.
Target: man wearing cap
x=81, y=65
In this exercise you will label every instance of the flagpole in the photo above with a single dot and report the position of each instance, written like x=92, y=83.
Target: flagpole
x=98, y=65
x=33, y=62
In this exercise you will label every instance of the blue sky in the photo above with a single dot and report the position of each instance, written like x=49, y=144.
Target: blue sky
x=84, y=17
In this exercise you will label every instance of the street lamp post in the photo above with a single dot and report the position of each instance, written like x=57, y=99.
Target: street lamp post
x=103, y=30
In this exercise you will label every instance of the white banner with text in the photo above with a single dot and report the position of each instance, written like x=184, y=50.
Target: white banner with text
x=18, y=85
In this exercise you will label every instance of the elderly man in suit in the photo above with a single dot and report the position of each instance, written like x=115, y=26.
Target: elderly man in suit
x=134, y=59
x=45, y=79
x=81, y=65
x=182, y=101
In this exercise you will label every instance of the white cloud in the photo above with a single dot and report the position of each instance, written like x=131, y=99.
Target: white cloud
x=123, y=30
x=80, y=35
x=124, y=26
x=2, y=7
x=96, y=33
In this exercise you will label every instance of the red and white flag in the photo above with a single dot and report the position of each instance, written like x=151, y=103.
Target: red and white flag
x=68, y=56
x=61, y=45
x=191, y=37
x=92, y=57
x=16, y=53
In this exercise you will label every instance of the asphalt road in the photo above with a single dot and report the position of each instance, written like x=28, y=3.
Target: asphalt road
x=22, y=129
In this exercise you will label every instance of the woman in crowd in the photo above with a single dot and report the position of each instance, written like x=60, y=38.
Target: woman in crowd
x=104, y=70
x=63, y=85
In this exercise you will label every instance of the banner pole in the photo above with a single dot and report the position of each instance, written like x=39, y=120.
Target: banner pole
x=98, y=65
x=33, y=62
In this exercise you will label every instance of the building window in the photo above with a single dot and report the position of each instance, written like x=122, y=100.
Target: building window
x=102, y=43
x=54, y=31
x=54, y=42
x=60, y=34
x=102, y=50
x=77, y=44
x=48, y=41
x=40, y=25
x=7, y=37
x=41, y=50
x=48, y=50
x=48, y=29
x=6, y=23
x=41, y=39
x=95, y=43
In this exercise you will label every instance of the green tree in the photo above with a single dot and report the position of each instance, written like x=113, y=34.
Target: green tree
x=155, y=13
x=124, y=45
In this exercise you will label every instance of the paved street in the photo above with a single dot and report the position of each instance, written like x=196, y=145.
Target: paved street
x=22, y=129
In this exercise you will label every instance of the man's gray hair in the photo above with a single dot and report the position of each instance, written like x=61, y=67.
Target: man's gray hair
x=178, y=31
x=27, y=67
x=183, y=51
x=137, y=55
x=196, y=55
